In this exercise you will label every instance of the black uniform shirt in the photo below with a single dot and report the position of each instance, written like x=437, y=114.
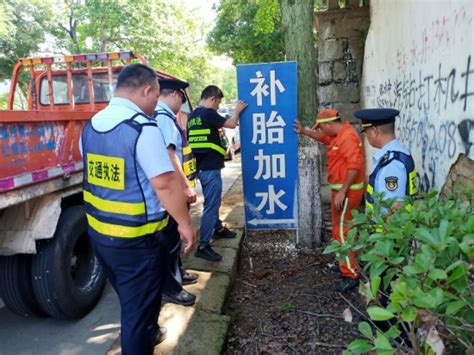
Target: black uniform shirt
x=211, y=160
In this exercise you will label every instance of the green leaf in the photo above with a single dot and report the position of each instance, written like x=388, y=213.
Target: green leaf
x=425, y=236
x=423, y=262
x=460, y=285
x=454, y=265
x=375, y=284
x=467, y=246
x=409, y=314
x=374, y=237
x=371, y=258
x=393, y=332
x=377, y=268
x=428, y=251
x=413, y=269
x=458, y=272
x=438, y=295
x=388, y=277
x=382, y=343
x=443, y=230
x=397, y=260
x=331, y=248
x=378, y=313
x=453, y=307
x=424, y=300
x=437, y=274
x=365, y=329
x=360, y=346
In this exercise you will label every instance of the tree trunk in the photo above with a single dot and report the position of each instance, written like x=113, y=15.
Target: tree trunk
x=297, y=23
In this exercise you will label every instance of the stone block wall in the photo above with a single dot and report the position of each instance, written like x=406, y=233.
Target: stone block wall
x=340, y=52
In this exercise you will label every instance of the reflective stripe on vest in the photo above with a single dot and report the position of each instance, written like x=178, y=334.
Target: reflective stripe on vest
x=120, y=231
x=189, y=161
x=202, y=138
x=358, y=186
x=199, y=132
x=408, y=163
x=207, y=145
x=189, y=165
x=117, y=204
x=132, y=209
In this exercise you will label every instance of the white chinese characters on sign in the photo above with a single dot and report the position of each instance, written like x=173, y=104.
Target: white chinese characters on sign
x=272, y=199
x=270, y=166
x=261, y=89
x=268, y=131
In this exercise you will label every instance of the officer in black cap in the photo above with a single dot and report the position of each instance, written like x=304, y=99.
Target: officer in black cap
x=172, y=97
x=394, y=172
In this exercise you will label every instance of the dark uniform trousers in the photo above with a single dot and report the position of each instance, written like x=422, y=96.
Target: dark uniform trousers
x=136, y=269
x=174, y=276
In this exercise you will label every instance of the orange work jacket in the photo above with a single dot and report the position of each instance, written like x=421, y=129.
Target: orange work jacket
x=344, y=153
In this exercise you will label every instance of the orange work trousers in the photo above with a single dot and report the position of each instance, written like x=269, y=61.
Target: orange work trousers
x=339, y=219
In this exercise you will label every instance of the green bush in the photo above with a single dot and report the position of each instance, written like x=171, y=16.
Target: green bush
x=420, y=260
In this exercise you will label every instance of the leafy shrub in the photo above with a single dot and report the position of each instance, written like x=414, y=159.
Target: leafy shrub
x=417, y=272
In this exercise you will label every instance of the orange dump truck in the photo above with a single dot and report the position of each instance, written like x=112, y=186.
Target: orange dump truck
x=46, y=263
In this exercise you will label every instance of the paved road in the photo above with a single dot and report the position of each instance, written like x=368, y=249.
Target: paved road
x=91, y=335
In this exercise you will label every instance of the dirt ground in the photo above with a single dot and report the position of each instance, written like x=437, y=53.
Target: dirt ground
x=284, y=301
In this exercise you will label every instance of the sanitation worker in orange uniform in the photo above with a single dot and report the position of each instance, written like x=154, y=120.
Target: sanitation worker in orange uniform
x=345, y=177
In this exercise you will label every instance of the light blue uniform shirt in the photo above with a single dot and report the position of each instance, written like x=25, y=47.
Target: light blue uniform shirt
x=171, y=134
x=392, y=173
x=152, y=156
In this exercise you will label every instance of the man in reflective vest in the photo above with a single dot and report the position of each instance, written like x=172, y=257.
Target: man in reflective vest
x=205, y=141
x=345, y=178
x=394, y=173
x=172, y=97
x=127, y=187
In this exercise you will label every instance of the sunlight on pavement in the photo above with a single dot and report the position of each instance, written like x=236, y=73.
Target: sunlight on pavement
x=113, y=332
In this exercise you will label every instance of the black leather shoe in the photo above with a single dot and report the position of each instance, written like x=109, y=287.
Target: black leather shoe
x=190, y=278
x=207, y=253
x=183, y=298
x=347, y=284
x=161, y=336
x=223, y=232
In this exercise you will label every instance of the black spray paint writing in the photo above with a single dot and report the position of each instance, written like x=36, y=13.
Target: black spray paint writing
x=466, y=131
x=428, y=91
x=434, y=142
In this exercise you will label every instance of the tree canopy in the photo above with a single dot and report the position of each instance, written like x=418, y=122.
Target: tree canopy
x=162, y=31
x=248, y=31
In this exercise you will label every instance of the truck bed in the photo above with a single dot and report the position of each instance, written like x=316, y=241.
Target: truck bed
x=37, y=147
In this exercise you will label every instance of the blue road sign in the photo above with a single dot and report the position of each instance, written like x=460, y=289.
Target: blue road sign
x=269, y=145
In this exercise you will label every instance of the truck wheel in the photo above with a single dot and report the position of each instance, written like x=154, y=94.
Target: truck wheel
x=67, y=278
x=15, y=285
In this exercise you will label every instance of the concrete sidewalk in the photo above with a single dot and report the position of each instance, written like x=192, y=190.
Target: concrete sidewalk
x=202, y=329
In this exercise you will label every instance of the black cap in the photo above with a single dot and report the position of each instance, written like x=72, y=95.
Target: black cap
x=173, y=84
x=376, y=116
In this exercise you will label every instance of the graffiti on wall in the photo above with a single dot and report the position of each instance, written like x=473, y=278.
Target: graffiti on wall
x=421, y=96
x=435, y=98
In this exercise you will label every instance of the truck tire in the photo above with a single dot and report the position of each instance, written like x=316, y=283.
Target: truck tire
x=16, y=289
x=67, y=278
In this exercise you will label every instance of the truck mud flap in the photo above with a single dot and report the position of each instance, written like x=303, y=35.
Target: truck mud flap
x=16, y=289
x=67, y=278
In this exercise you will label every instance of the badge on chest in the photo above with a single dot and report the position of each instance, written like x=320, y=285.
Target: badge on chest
x=391, y=183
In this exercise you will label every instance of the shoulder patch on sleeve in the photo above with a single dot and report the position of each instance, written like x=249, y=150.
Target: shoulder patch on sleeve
x=391, y=183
